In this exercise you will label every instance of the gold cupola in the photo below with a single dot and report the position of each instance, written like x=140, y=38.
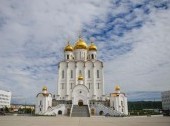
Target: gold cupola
x=68, y=47
x=92, y=47
x=80, y=77
x=117, y=88
x=80, y=44
x=44, y=88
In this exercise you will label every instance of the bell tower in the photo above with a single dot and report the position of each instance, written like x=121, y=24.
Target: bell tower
x=68, y=52
x=92, y=52
x=80, y=50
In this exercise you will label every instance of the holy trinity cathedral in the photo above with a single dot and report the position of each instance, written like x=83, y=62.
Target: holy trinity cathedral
x=80, y=89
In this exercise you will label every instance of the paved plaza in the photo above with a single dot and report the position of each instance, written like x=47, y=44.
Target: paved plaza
x=81, y=121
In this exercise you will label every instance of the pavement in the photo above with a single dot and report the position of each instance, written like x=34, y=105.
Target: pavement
x=83, y=121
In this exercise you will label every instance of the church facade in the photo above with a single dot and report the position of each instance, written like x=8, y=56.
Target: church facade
x=81, y=84
x=80, y=74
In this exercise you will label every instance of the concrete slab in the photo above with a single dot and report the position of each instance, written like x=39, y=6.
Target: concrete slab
x=83, y=121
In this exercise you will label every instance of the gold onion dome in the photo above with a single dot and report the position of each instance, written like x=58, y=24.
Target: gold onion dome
x=80, y=77
x=117, y=88
x=80, y=44
x=68, y=47
x=44, y=88
x=92, y=47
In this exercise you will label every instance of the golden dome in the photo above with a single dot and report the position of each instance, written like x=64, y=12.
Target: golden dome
x=92, y=47
x=68, y=47
x=80, y=77
x=117, y=88
x=80, y=44
x=44, y=88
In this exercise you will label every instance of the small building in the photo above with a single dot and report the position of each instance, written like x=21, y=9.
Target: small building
x=43, y=101
x=18, y=107
x=5, y=98
x=165, y=100
x=118, y=101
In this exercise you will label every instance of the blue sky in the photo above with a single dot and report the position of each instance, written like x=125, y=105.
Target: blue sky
x=132, y=37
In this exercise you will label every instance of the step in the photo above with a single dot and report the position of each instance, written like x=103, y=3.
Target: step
x=80, y=111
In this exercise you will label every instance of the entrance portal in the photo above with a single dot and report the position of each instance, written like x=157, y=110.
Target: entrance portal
x=80, y=102
x=59, y=112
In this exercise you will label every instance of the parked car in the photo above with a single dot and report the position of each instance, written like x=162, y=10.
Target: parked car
x=107, y=115
x=2, y=113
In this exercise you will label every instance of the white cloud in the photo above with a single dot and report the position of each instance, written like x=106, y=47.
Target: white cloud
x=33, y=34
x=147, y=66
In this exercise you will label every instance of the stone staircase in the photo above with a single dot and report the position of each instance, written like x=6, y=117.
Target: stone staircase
x=106, y=110
x=80, y=111
x=54, y=110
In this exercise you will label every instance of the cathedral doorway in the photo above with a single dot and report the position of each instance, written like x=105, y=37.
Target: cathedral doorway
x=68, y=111
x=80, y=102
x=101, y=113
x=92, y=111
x=80, y=95
x=59, y=112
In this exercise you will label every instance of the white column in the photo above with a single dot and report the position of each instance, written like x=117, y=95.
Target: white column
x=125, y=106
x=116, y=103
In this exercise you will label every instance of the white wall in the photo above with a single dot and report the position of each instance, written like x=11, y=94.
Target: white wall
x=80, y=92
x=119, y=103
x=77, y=66
x=83, y=64
x=165, y=100
x=5, y=98
x=46, y=101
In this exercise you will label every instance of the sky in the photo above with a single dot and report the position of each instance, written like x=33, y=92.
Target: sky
x=132, y=36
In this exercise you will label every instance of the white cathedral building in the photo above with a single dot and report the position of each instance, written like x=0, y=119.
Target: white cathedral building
x=80, y=88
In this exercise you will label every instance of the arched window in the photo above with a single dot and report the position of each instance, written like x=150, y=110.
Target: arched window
x=98, y=74
x=92, y=56
x=62, y=84
x=101, y=113
x=67, y=56
x=62, y=73
x=40, y=102
x=88, y=73
x=121, y=103
x=71, y=85
x=98, y=85
x=80, y=72
x=71, y=73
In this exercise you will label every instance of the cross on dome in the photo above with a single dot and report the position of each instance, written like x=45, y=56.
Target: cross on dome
x=68, y=47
